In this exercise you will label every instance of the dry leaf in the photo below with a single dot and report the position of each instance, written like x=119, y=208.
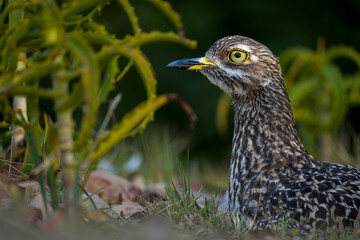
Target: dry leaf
x=97, y=204
x=138, y=182
x=34, y=214
x=128, y=210
x=8, y=189
x=31, y=187
x=114, y=189
x=38, y=203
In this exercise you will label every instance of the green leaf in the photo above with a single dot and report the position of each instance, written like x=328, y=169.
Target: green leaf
x=15, y=19
x=129, y=10
x=13, y=81
x=52, y=140
x=141, y=62
x=108, y=84
x=53, y=187
x=16, y=15
x=130, y=121
x=72, y=8
x=33, y=157
x=157, y=36
x=90, y=80
x=166, y=9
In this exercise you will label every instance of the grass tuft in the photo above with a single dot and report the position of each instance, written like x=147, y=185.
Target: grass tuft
x=191, y=210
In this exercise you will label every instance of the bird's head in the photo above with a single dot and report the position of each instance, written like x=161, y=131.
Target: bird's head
x=236, y=64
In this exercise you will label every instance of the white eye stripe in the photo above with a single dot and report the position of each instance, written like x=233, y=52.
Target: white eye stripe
x=243, y=47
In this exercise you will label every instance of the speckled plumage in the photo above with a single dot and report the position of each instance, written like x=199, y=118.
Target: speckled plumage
x=273, y=178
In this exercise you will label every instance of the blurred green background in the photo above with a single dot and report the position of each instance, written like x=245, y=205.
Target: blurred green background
x=277, y=24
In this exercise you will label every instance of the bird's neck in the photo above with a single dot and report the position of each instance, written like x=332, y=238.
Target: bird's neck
x=265, y=139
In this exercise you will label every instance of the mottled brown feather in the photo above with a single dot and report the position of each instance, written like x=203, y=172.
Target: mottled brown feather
x=273, y=179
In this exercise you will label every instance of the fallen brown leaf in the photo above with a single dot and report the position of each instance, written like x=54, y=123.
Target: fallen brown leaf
x=33, y=214
x=138, y=182
x=97, y=204
x=31, y=187
x=9, y=190
x=114, y=189
x=38, y=203
x=128, y=210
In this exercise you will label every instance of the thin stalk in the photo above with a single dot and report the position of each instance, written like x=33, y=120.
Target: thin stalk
x=65, y=132
x=112, y=107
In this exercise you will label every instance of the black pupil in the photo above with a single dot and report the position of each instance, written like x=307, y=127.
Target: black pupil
x=237, y=55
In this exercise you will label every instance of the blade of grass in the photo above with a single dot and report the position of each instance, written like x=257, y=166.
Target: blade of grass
x=34, y=156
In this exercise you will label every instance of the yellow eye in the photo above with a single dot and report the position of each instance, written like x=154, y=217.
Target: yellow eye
x=238, y=56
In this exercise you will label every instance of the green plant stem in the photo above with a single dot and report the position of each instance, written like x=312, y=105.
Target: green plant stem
x=156, y=36
x=140, y=61
x=11, y=81
x=76, y=7
x=167, y=10
x=13, y=5
x=65, y=128
x=83, y=19
x=129, y=10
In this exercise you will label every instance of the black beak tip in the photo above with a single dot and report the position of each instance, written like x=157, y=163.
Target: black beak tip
x=171, y=64
x=178, y=65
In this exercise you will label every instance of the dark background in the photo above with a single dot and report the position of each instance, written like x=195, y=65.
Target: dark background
x=277, y=24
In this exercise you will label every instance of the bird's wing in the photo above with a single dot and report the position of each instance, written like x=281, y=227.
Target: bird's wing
x=320, y=196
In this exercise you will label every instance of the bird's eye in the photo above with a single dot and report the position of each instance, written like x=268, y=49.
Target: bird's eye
x=238, y=56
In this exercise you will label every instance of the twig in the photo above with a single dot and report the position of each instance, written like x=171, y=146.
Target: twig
x=87, y=194
x=11, y=149
x=112, y=106
x=12, y=167
x=125, y=70
x=20, y=163
x=187, y=108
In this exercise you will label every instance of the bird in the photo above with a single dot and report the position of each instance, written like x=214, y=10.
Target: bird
x=273, y=180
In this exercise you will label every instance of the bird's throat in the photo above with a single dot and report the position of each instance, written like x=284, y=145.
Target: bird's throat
x=265, y=143
x=264, y=129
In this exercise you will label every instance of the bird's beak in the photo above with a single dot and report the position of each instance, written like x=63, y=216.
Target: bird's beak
x=191, y=64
